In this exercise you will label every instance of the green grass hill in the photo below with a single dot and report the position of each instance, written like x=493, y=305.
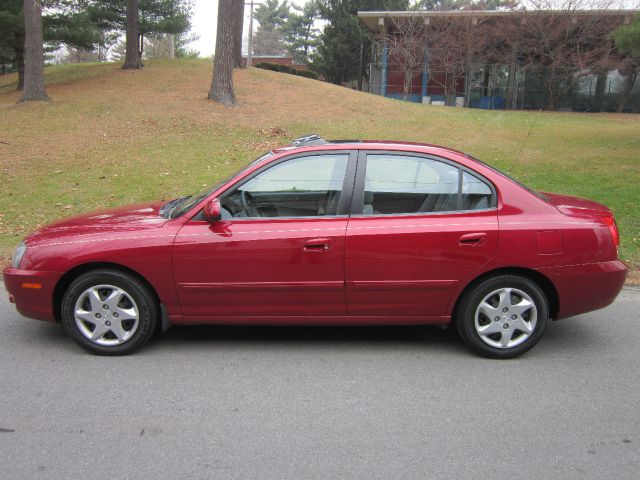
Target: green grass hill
x=111, y=137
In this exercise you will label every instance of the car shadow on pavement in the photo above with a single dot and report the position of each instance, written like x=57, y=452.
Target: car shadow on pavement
x=576, y=335
x=189, y=336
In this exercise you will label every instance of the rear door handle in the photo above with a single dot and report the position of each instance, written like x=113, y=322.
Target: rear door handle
x=473, y=239
x=317, y=245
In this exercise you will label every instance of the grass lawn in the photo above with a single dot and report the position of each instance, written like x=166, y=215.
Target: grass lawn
x=111, y=137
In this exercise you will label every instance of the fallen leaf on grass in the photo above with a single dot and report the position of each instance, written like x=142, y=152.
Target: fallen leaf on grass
x=275, y=132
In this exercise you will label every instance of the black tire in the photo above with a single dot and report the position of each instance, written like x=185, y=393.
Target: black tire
x=132, y=294
x=533, y=320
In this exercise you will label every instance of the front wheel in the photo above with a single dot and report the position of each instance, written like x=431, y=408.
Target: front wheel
x=109, y=312
x=503, y=316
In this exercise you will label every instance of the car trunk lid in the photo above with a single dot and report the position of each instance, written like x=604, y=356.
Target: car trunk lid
x=580, y=207
x=575, y=206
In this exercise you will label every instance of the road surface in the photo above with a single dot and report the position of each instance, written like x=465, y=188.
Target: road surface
x=307, y=403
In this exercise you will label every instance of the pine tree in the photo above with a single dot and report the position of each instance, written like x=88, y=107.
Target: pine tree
x=12, y=37
x=153, y=17
x=65, y=24
x=132, y=59
x=222, y=79
x=272, y=18
x=344, y=46
x=33, y=53
x=300, y=34
x=238, y=23
x=627, y=37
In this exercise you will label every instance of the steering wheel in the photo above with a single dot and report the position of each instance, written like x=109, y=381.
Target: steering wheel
x=248, y=204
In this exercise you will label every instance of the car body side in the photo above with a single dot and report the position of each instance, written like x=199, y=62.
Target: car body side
x=572, y=257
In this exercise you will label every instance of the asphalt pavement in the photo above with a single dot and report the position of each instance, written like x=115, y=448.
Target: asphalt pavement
x=323, y=403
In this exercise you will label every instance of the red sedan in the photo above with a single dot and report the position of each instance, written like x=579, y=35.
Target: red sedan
x=321, y=232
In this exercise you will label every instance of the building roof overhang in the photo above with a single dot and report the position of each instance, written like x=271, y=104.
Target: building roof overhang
x=377, y=21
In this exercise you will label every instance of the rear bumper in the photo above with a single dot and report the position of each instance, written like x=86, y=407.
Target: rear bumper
x=587, y=287
x=32, y=292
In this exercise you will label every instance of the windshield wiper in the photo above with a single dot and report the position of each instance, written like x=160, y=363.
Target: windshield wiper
x=167, y=208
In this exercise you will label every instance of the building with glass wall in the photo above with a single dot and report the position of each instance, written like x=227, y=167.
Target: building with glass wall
x=553, y=59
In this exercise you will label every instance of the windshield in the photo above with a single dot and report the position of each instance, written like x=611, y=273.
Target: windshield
x=514, y=180
x=186, y=203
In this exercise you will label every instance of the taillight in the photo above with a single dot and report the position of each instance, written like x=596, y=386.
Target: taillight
x=613, y=229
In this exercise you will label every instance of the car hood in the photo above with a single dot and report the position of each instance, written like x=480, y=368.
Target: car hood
x=577, y=206
x=130, y=217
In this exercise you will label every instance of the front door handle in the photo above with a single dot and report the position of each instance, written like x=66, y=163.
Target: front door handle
x=317, y=245
x=473, y=239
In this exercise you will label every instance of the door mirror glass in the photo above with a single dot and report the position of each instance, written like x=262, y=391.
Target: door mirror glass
x=212, y=210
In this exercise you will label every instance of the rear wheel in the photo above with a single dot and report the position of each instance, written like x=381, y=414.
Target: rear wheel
x=109, y=312
x=503, y=316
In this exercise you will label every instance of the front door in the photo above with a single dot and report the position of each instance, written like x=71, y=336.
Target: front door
x=279, y=248
x=419, y=227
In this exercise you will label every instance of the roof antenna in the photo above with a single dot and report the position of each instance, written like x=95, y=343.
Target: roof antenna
x=533, y=124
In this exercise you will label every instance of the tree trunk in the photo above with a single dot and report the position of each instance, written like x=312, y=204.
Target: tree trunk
x=551, y=100
x=238, y=23
x=467, y=76
x=406, y=85
x=306, y=43
x=33, y=53
x=222, y=79
x=454, y=92
x=512, y=77
x=485, y=82
x=601, y=84
x=361, y=67
x=551, y=90
x=132, y=56
x=140, y=46
x=629, y=80
x=20, y=66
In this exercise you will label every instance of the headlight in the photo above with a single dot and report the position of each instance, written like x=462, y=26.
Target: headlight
x=17, y=256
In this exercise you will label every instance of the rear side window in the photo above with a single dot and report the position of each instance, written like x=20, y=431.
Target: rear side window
x=476, y=195
x=396, y=184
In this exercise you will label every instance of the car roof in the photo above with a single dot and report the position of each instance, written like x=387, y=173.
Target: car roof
x=313, y=142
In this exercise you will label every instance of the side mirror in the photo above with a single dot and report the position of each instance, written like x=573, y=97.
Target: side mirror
x=212, y=210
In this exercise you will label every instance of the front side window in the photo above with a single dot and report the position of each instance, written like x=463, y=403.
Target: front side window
x=307, y=186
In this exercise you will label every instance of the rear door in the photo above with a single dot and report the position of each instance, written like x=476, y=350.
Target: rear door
x=420, y=225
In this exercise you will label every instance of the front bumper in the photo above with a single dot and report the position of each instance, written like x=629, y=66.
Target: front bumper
x=587, y=287
x=32, y=292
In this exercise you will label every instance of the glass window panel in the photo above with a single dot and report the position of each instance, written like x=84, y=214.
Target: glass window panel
x=300, y=187
x=476, y=194
x=401, y=184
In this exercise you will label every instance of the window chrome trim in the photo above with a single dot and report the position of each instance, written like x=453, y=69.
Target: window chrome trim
x=421, y=214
